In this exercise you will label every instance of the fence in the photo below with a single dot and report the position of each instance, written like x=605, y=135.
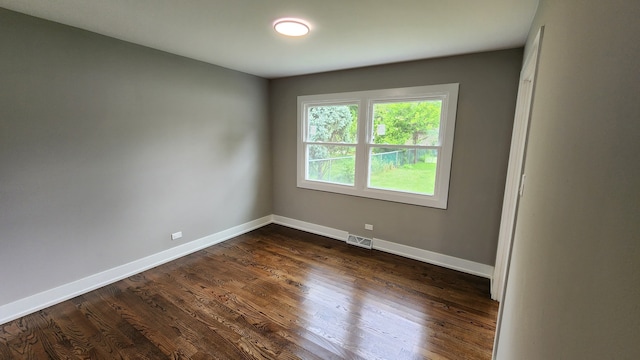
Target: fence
x=338, y=169
x=341, y=169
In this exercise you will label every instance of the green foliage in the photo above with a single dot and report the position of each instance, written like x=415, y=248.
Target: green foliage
x=334, y=124
x=407, y=123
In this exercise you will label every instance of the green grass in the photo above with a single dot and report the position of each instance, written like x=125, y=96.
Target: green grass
x=418, y=178
x=341, y=171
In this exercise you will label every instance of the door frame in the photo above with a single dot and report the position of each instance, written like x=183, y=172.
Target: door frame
x=515, y=177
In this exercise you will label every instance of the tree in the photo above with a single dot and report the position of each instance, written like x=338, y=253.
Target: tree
x=332, y=124
x=407, y=123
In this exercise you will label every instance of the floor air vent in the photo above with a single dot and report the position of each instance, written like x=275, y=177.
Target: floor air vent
x=359, y=241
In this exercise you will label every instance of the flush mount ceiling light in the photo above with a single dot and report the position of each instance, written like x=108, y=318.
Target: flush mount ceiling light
x=291, y=27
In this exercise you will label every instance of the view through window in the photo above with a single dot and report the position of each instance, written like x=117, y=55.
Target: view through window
x=391, y=144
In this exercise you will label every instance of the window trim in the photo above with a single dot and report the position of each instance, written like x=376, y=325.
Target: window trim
x=365, y=100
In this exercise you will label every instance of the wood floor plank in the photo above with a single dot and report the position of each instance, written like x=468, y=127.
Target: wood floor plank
x=83, y=335
x=273, y=293
x=119, y=338
x=204, y=336
x=5, y=352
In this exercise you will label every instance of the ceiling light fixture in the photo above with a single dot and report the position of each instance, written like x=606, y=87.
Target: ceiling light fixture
x=291, y=27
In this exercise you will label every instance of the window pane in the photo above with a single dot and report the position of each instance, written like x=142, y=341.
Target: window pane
x=332, y=123
x=409, y=170
x=334, y=164
x=407, y=123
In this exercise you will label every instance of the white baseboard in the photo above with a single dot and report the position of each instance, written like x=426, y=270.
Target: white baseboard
x=310, y=227
x=426, y=256
x=67, y=291
x=450, y=262
x=33, y=303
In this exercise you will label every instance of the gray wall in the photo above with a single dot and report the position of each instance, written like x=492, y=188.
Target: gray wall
x=574, y=285
x=468, y=229
x=107, y=147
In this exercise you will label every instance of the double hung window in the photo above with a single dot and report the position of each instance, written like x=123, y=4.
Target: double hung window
x=393, y=144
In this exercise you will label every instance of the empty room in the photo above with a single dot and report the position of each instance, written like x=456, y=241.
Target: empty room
x=319, y=180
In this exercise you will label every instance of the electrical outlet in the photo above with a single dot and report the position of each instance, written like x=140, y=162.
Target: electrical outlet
x=176, y=235
x=368, y=227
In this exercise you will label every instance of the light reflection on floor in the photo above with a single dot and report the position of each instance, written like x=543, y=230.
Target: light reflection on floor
x=369, y=324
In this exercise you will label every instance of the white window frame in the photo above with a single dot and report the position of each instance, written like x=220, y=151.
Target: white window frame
x=365, y=100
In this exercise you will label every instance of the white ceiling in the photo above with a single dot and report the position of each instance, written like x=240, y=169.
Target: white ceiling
x=238, y=34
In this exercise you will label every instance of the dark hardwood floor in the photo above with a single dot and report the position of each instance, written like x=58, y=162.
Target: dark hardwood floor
x=274, y=293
